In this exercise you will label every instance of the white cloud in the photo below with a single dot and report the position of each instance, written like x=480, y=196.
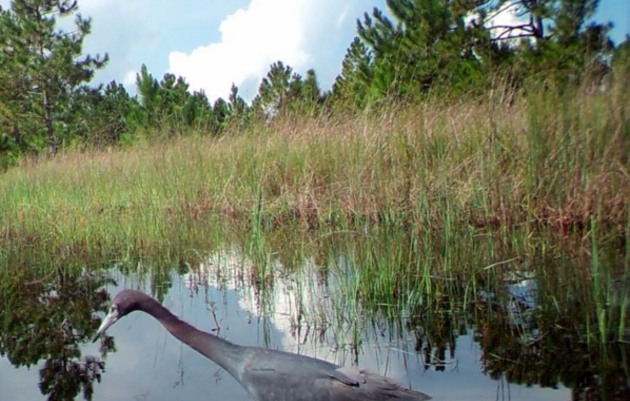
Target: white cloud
x=214, y=43
x=254, y=38
x=182, y=38
x=508, y=17
x=130, y=78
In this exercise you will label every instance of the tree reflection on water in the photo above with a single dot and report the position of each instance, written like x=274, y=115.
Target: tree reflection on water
x=532, y=340
x=44, y=319
x=544, y=343
x=549, y=351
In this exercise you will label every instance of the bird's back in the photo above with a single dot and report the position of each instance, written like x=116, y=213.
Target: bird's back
x=280, y=376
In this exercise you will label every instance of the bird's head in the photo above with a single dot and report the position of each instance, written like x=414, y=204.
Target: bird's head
x=123, y=303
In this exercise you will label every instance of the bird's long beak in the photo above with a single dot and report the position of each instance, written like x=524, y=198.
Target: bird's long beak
x=111, y=318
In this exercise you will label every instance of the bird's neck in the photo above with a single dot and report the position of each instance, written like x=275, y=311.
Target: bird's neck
x=222, y=352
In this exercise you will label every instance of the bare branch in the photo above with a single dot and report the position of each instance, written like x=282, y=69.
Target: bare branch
x=502, y=10
x=528, y=35
x=512, y=27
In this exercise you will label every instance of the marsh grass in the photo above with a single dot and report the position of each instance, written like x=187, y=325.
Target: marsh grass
x=428, y=203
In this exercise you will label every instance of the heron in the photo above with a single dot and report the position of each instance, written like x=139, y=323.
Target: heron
x=267, y=375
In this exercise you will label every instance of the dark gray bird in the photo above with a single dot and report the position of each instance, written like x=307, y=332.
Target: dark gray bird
x=266, y=374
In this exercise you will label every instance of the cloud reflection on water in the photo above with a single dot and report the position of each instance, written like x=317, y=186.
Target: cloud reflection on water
x=151, y=365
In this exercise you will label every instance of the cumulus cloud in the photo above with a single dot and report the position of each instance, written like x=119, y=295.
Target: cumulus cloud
x=182, y=38
x=130, y=78
x=508, y=17
x=292, y=31
x=250, y=40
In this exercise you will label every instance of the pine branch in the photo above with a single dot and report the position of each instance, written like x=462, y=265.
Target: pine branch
x=502, y=10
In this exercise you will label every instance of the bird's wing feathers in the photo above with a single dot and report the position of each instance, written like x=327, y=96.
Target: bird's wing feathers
x=340, y=376
x=318, y=380
x=378, y=387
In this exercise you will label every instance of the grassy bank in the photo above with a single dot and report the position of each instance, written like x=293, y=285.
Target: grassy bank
x=549, y=162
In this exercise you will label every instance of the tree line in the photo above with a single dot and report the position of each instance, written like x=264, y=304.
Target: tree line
x=421, y=47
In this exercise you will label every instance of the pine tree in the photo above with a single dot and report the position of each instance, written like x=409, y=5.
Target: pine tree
x=556, y=35
x=310, y=96
x=238, y=109
x=221, y=114
x=47, y=64
x=237, y=106
x=197, y=112
x=149, y=95
x=101, y=116
x=174, y=96
x=275, y=90
x=428, y=43
x=356, y=75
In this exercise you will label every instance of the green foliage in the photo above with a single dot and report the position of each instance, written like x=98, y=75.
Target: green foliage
x=283, y=93
x=238, y=109
x=197, y=113
x=102, y=116
x=446, y=49
x=454, y=48
x=167, y=107
x=148, y=93
x=557, y=38
x=42, y=69
x=274, y=90
x=621, y=54
x=429, y=45
x=45, y=319
x=309, y=95
x=221, y=112
x=352, y=85
x=621, y=61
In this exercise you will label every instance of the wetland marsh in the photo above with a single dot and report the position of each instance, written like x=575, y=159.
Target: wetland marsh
x=507, y=333
x=477, y=257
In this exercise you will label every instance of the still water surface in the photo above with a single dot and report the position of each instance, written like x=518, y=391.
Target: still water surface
x=295, y=314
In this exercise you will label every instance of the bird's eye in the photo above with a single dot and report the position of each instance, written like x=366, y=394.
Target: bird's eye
x=114, y=308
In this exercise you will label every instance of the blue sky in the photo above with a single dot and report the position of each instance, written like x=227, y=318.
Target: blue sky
x=213, y=43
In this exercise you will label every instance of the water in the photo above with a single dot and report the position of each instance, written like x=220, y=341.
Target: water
x=301, y=313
